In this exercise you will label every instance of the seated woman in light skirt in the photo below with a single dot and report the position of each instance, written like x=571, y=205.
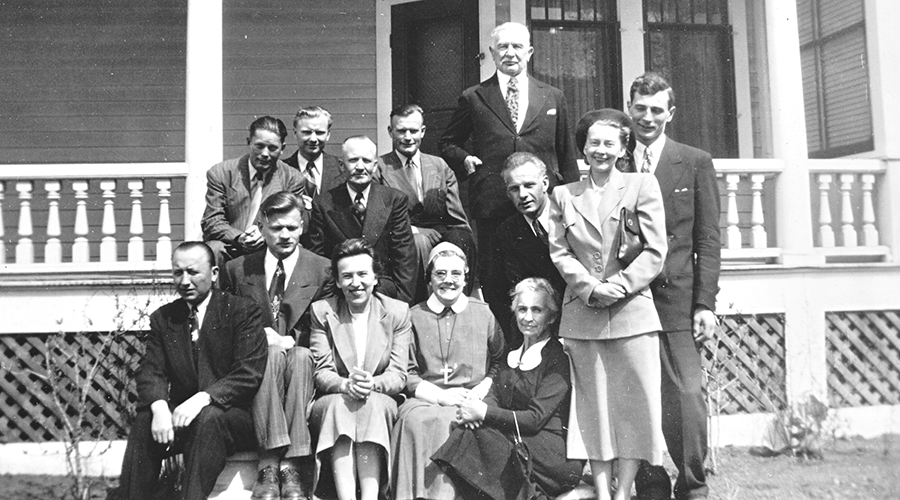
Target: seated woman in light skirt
x=360, y=341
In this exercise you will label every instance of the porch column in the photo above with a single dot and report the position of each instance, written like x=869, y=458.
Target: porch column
x=203, y=142
x=631, y=22
x=805, y=360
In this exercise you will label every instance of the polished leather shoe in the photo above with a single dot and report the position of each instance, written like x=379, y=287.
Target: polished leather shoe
x=266, y=487
x=292, y=487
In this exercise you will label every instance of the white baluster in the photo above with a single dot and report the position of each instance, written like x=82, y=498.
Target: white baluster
x=108, y=243
x=826, y=234
x=136, y=243
x=733, y=232
x=2, y=227
x=25, y=247
x=757, y=219
x=164, y=243
x=53, y=248
x=81, y=251
x=847, y=229
x=870, y=233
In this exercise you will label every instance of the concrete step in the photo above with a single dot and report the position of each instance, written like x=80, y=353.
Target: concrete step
x=236, y=480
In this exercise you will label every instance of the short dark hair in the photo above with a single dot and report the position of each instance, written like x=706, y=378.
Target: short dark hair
x=281, y=202
x=651, y=83
x=520, y=158
x=407, y=110
x=351, y=248
x=269, y=123
x=312, y=112
x=613, y=118
x=190, y=245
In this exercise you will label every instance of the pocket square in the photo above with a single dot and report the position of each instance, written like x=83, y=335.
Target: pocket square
x=551, y=111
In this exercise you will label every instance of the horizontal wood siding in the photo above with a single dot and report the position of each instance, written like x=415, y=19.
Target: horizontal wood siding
x=280, y=55
x=87, y=81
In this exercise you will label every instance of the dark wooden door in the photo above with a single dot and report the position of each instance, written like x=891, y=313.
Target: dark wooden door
x=434, y=48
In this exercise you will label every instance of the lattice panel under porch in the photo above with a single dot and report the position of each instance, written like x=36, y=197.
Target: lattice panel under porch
x=745, y=368
x=863, y=350
x=27, y=408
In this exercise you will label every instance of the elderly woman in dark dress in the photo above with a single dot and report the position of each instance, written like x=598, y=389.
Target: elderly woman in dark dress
x=531, y=391
x=360, y=341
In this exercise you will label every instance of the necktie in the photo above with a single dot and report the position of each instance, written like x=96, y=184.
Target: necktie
x=540, y=232
x=512, y=101
x=359, y=208
x=413, y=178
x=256, y=185
x=276, y=294
x=645, y=164
x=195, y=335
x=312, y=187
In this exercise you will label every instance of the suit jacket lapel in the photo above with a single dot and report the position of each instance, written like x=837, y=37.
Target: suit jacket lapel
x=299, y=291
x=377, y=335
x=537, y=94
x=430, y=178
x=594, y=208
x=342, y=335
x=377, y=213
x=183, y=356
x=669, y=168
x=255, y=281
x=396, y=172
x=342, y=212
x=492, y=97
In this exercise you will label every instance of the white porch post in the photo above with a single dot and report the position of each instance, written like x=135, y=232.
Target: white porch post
x=203, y=142
x=631, y=20
x=805, y=360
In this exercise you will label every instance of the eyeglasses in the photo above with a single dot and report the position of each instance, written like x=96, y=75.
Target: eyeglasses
x=455, y=276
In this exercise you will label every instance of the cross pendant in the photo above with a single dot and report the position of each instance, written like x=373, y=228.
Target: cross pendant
x=446, y=370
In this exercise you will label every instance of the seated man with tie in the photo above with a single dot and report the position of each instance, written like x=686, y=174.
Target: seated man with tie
x=521, y=247
x=205, y=357
x=235, y=188
x=312, y=128
x=284, y=280
x=435, y=210
x=360, y=208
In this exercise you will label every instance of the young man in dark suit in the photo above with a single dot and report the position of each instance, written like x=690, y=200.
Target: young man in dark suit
x=205, y=357
x=685, y=291
x=360, y=208
x=506, y=113
x=312, y=129
x=521, y=243
x=435, y=210
x=283, y=280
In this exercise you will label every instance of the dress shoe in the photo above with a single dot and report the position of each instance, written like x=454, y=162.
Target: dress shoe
x=292, y=487
x=266, y=487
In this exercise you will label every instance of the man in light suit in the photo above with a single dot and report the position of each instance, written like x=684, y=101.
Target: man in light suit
x=312, y=129
x=685, y=291
x=360, y=208
x=236, y=188
x=506, y=113
x=435, y=210
x=521, y=245
x=284, y=280
x=205, y=357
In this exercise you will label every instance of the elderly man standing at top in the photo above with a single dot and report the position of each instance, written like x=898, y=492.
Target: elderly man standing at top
x=506, y=113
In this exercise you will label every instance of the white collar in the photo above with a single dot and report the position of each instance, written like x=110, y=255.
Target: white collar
x=437, y=307
x=416, y=158
x=289, y=263
x=302, y=162
x=529, y=360
x=201, y=308
x=655, y=152
x=365, y=193
x=521, y=80
x=543, y=217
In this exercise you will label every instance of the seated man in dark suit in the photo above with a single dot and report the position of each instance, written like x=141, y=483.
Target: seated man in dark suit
x=235, y=189
x=435, y=210
x=312, y=128
x=521, y=246
x=284, y=280
x=205, y=357
x=360, y=208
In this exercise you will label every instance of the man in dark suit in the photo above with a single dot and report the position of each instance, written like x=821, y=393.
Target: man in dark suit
x=284, y=280
x=506, y=113
x=205, y=357
x=360, y=208
x=435, y=210
x=685, y=291
x=312, y=129
x=521, y=242
x=236, y=188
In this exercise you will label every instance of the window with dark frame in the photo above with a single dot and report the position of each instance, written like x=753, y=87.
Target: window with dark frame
x=577, y=50
x=835, y=77
x=689, y=42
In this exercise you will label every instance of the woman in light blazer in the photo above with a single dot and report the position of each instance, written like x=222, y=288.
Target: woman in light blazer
x=609, y=322
x=360, y=341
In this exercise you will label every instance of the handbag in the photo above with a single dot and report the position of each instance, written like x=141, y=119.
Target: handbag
x=629, y=241
x=522, y=460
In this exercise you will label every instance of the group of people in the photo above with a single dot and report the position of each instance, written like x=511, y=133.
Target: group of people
x=329, y=322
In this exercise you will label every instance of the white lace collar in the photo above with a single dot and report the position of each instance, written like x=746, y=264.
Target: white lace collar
x=529, y=360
